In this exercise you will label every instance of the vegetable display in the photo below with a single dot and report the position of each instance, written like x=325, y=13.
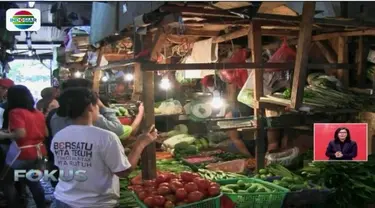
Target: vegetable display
x=170, y=190
x=218, y=175
x=243, y=187
x=121, y=111
x=353, y=182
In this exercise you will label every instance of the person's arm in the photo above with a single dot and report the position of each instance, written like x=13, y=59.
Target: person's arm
x=138, y=119
x=16, y=125
x=108, y=120
x=234, y=137
x=330, y=152
x=353, y=152
x=115, y=158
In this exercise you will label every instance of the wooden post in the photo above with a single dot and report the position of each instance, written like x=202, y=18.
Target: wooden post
x=304, y=42
x=342, y=57
x=255, y=44
x=148, y=159
x=361, y=62
x=328, y=53
x=97, y=72
x=137, y=83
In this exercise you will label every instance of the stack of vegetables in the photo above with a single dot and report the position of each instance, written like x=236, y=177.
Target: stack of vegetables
x=325, y=91
x=353, y=182
x=121, y=111
x=180, y=143
x=218, y=175
x=281, y=176
x=169, y=190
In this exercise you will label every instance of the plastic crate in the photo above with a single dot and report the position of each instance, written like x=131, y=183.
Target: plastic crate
x=257, y=200
x=213, y=202
x=305, y=197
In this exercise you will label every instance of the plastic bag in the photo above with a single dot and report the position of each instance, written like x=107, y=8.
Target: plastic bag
x=273, y=79
x=170, y=107
x=238, y=76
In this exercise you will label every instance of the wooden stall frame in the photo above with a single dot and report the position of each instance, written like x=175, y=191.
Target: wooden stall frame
x=306, y=21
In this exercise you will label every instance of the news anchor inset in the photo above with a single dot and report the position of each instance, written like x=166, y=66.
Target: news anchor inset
x=342, y=147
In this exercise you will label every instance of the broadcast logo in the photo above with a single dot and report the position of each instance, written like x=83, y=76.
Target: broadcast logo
x=23, y=20
x=37, y=175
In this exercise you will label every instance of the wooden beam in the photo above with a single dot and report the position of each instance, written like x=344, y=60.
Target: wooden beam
x=342, y=57
x=244, y=31
x=361, y=62
x=304, y=42
x=196, y=33
x=97, y=72
x=265, y=17
x=148, y=159
x=158, y=44
x=325, y=36
x=137, y=83
x=234, y=66
x=328, y=53
x=255, y=45
x=233, y=35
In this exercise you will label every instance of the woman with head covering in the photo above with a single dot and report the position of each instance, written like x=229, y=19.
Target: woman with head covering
x=48, y=101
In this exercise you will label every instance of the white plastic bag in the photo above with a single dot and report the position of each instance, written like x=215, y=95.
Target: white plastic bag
x=170, y=107
x=246, y=95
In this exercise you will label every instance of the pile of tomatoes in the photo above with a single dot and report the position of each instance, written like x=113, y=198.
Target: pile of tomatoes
x=169, y=190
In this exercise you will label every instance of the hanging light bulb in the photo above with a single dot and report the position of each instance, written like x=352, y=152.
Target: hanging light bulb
x=165, y=84
x=129, y=77
x=31, y=4
x=217, y=101
x=77, y=74
x=104, y=78
x=30, y=53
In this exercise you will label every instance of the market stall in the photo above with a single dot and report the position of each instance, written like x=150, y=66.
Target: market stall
x=187, y=150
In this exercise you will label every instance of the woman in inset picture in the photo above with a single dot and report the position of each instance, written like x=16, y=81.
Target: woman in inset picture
x=342, y=147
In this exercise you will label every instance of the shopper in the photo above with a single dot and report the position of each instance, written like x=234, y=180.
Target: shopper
x=101, y=154
x=107, y=120
x=5, y=84
x=48, y=101
x=342, y=147
x=27, y=130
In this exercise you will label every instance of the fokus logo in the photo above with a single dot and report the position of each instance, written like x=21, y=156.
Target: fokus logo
x=23, y=20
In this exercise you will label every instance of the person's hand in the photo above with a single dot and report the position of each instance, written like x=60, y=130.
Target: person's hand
x=148, y=137
x=141, y=109
x=338, y=154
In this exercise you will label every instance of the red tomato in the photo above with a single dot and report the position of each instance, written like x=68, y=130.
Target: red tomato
x=172, y=176
x=171, y=198
x=202, y=183
x=190, y=187
x=159, y=200
x=174, y=185
x=195, y=196
x=181, y=194
x=214, y=184
x=164, y=190
x=213, y=191
x=149, y=201
x=149, y=189
x=137, y=190
x=164, y=184
x=168, y=204
x=161, y=178
x=149, y=183
x=142, y=195
x=188, y=177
